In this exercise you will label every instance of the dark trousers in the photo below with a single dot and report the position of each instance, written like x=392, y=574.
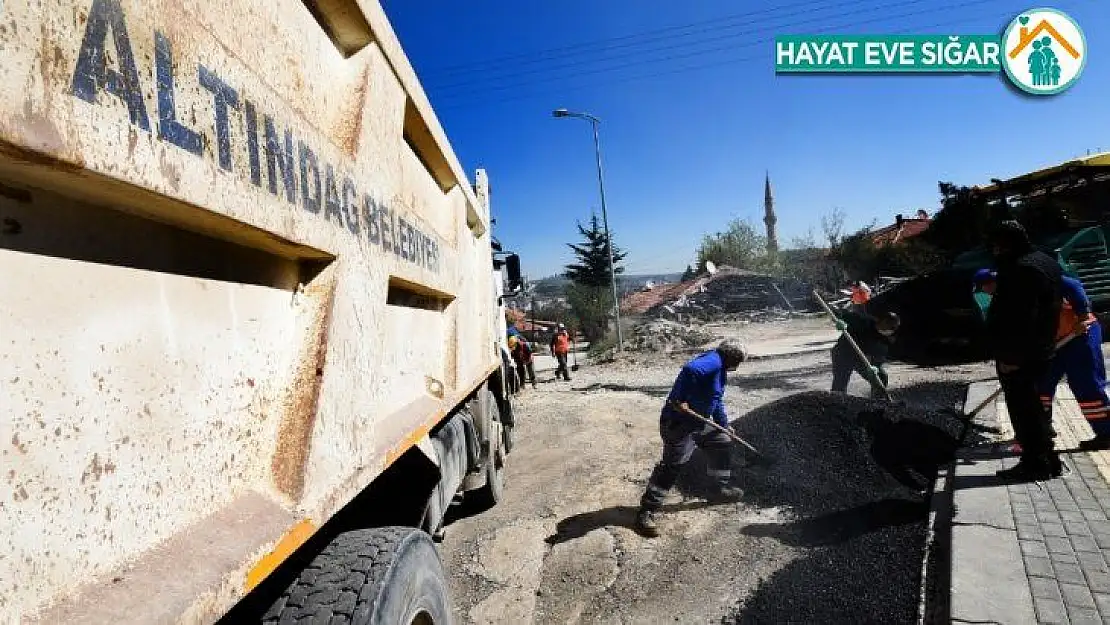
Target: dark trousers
x=561, y=359
x=523, y=368
x=1032, y=423
x=680, y=436
x=844, y=362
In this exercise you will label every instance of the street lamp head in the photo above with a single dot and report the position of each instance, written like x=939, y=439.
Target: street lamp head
x=560, y=113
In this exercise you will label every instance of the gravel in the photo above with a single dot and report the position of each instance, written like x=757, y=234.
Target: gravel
x=848, y=475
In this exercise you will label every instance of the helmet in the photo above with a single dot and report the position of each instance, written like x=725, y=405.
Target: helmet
x=512, y=342
x=983, y=276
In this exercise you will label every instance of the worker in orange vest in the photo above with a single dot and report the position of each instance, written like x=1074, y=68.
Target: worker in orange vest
x=522, y=355
x=560, y=347
x=1079, y=357
x=861, y=294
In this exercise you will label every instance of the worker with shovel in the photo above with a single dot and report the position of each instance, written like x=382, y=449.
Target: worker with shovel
x=699, y=390
x=873, y=335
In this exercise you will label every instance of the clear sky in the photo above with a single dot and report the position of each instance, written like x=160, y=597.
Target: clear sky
x=693, y=115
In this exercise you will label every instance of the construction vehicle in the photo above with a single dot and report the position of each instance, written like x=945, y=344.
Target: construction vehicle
x=1066, y=210
x=251, y=335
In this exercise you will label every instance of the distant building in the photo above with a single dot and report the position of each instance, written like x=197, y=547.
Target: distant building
x=901, y=230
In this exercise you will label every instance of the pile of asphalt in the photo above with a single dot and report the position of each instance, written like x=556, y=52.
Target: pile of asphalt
x=851, y=478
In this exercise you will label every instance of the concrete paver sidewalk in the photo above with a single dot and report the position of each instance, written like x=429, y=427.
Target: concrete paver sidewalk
x=1025, y=553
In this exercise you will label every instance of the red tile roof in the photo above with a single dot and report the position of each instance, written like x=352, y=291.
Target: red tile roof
x=892, y=234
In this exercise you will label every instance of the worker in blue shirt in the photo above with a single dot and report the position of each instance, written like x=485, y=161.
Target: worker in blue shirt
x=699, y=389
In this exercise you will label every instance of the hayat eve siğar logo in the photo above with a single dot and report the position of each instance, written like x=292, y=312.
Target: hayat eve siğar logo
x=1044, y=51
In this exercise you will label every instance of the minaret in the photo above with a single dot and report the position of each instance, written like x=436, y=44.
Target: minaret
x=769, y=216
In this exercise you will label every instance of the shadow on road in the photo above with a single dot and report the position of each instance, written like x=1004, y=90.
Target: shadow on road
x=579, y=525
x=788, y=379
x=651, y=391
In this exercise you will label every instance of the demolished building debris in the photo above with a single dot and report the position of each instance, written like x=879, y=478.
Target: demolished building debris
x=665, y=337
x=727, y=291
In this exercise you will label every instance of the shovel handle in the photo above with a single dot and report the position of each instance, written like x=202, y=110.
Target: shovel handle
x=855, y=347
x=983, y=404
x=727, y=432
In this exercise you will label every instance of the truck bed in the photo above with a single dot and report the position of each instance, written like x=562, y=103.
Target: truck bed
x=243, y=272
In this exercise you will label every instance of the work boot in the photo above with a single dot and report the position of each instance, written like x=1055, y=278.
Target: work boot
x=1057, y=466
x=1032, y=470
x=645, y=523
x=726, y=494
x=1097, y=443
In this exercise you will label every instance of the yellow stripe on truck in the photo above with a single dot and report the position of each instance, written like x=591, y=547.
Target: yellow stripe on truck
x=290, y=542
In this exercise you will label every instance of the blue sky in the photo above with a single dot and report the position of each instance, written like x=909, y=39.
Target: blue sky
x=694, y=115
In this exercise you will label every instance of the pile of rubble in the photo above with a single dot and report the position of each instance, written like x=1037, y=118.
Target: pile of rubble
x=728, y=291
x=664, y=336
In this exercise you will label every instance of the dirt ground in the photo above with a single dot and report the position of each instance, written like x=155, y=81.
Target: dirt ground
x=800, y=547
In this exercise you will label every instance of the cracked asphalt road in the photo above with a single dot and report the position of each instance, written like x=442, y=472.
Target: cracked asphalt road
x=559, y=548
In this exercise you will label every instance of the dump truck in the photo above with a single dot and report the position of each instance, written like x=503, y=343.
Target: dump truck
x=251, y=328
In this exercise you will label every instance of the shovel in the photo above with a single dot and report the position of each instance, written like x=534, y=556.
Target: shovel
x=859, y=352
x=574, y=350
x=758, y=457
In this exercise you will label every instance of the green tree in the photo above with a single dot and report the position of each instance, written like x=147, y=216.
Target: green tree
x=805, y=242
x=832, y=226
x=592, y=306
x=592, y=266
x=589, y=294
x=857, y=255
x=556, y=312
x=689, y=274
x=739, y=246
x=961, y=222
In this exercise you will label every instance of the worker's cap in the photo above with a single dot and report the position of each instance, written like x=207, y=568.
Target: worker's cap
x=562, y=327
x=983, y=276
x=733, y=350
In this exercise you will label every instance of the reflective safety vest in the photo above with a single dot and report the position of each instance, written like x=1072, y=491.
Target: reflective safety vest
x=1070, y=324
x=562, y=343
x=860, y=295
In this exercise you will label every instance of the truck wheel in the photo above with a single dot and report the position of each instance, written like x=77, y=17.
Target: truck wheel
x=507, y=438
x=381, y=576
x=489, y=495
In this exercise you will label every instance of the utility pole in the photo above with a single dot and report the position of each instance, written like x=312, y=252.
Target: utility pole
x=604, y=217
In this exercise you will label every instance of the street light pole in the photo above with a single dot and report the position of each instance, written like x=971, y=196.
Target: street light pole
x=604, y=217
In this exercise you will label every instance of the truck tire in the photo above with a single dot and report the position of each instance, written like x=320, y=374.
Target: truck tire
x=507, y=438
x=380, y=576
x=489, y=495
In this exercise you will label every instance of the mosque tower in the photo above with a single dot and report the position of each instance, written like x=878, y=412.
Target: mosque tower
x=769, y=216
